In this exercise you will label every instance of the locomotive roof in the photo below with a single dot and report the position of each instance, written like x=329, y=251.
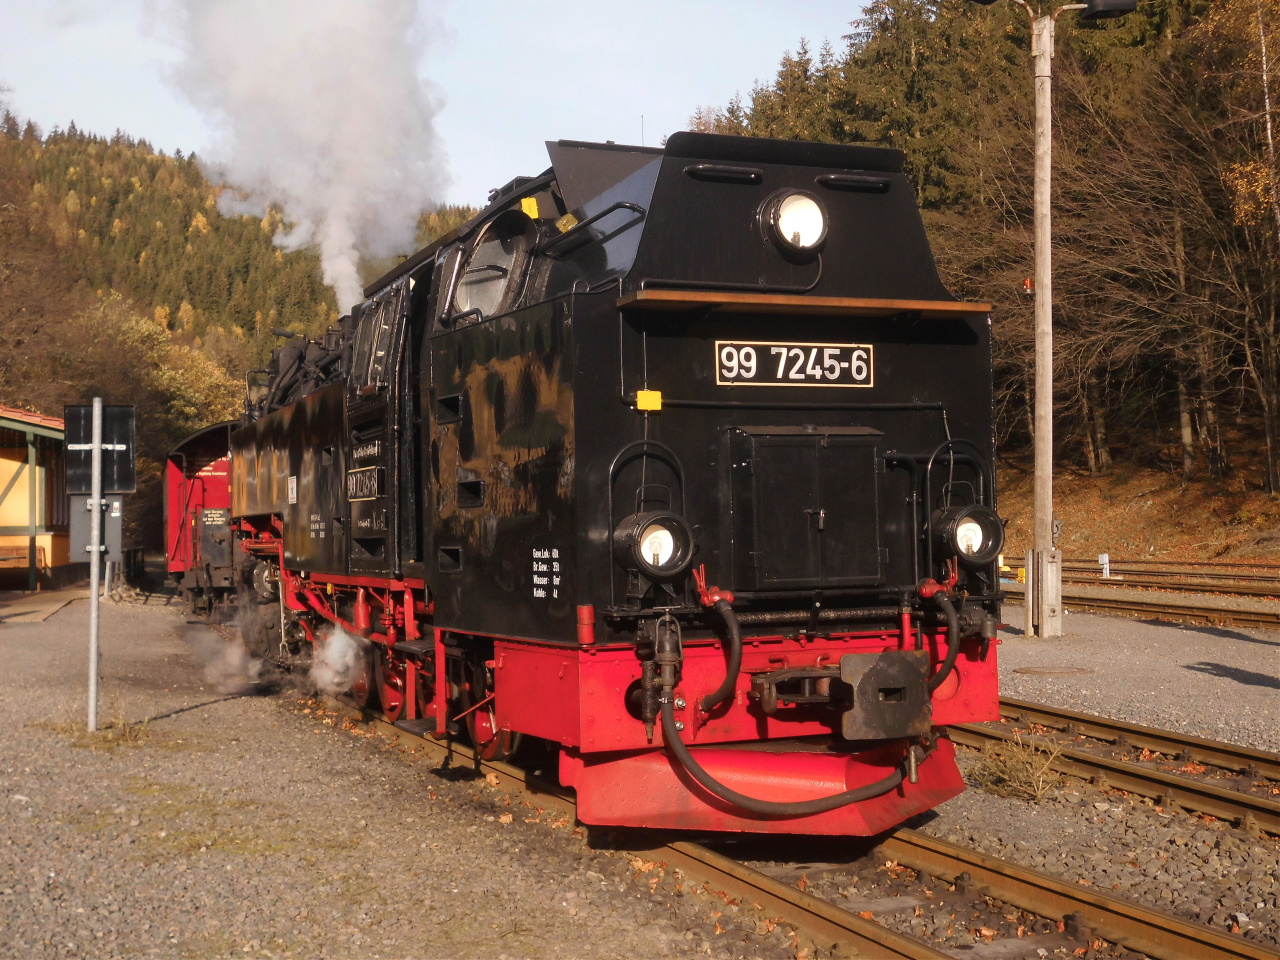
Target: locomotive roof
x=583, y=170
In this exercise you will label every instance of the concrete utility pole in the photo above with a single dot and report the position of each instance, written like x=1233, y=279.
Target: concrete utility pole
x=1044, y=561
x=1045, y=613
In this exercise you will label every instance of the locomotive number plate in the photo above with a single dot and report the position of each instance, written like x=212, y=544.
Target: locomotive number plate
x=364, y=484
x=772, y=364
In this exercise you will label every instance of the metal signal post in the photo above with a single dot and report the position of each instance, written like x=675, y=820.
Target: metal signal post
x=95, y=559
x=99, y=461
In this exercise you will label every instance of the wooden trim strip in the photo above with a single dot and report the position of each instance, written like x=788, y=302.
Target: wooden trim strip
x=746, y=302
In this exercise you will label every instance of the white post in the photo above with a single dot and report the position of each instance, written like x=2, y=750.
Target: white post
x=95, y=560
x=1046, y=614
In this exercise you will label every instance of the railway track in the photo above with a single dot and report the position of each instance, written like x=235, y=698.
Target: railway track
x=1205, y=572
x=1090, y=913
x=1224, y=794
x=1224, y=579
x=1164, y=605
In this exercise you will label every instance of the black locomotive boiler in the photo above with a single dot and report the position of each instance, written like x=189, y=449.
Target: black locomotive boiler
x=679, y=459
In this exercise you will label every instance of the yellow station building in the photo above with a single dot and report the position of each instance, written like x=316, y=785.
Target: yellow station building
x=34, y=539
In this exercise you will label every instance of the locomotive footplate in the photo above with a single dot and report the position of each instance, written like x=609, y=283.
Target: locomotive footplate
x=890, y=698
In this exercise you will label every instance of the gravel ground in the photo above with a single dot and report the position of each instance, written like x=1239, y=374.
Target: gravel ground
x=1162, y=675
x=1216, y=682
x=1193, y=866
x=241, y=825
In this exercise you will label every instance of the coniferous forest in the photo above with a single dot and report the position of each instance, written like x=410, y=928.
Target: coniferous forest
x=1166, y=207
x=120, y=277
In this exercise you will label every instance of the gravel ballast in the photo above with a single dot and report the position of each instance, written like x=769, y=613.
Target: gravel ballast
x=1217, y=682
x=1213, y=682
x=241, y=825
x=1192, y=866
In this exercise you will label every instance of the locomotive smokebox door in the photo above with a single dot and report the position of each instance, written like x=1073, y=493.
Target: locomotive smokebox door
x=890, y=696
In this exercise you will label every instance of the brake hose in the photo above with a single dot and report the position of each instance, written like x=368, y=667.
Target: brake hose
x=953, y=643
x=797, y=808
x=726, y=689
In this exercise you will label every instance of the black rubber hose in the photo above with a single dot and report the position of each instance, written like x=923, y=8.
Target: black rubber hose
x=797, y=808
x=953, y=643
x=730, y=684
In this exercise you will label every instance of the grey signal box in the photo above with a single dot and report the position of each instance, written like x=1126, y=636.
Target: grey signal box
x=112, y=529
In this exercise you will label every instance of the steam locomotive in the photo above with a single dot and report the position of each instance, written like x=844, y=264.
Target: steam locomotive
x=678, y=459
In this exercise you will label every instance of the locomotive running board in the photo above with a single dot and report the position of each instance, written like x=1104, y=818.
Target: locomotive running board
x=750, y=302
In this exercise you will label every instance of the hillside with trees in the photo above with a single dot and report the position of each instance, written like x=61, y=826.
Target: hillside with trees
x=120, y=278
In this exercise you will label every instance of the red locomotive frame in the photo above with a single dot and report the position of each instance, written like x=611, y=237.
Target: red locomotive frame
x=572, y=696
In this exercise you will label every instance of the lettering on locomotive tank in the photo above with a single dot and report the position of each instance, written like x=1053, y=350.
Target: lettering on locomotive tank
x=367, y=450
x=316, y=527
x=364, y=484
x=546, y=573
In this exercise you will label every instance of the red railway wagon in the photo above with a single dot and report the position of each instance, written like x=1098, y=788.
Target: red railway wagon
x=198, y=538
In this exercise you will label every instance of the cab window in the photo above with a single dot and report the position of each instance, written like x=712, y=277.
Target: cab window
x=376, y=338
x=493, y=277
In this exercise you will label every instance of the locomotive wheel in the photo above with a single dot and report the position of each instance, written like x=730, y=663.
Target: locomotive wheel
x=389, y=679
x=426, y=693
x=490, y=742
x=363, y=687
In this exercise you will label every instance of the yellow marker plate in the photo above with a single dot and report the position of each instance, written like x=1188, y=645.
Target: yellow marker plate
x=649, y=400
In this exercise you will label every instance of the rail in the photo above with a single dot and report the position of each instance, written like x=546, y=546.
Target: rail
x=1097, y=597
x=1201, y=796
x=1121, y=921
x=1232, y=579
x=1136, y=927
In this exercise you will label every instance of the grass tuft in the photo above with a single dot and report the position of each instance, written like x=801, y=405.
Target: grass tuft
x=1023, y=770
x=69, y=721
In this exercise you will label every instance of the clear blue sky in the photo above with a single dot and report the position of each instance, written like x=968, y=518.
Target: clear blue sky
x=512, y=74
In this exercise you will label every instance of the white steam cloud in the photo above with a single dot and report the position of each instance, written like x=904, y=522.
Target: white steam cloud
x=340, y=659
x=322, y=112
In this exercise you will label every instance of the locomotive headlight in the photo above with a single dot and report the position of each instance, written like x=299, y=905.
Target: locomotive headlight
x=969, y=536
x=795, y=222
x=657, y=544
x=973, y=533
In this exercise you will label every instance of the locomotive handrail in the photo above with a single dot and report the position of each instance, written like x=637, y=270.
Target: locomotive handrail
x=984, y=475
x=801, y=405
x=618, y=459
x=455, y=318
x=582, y=224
